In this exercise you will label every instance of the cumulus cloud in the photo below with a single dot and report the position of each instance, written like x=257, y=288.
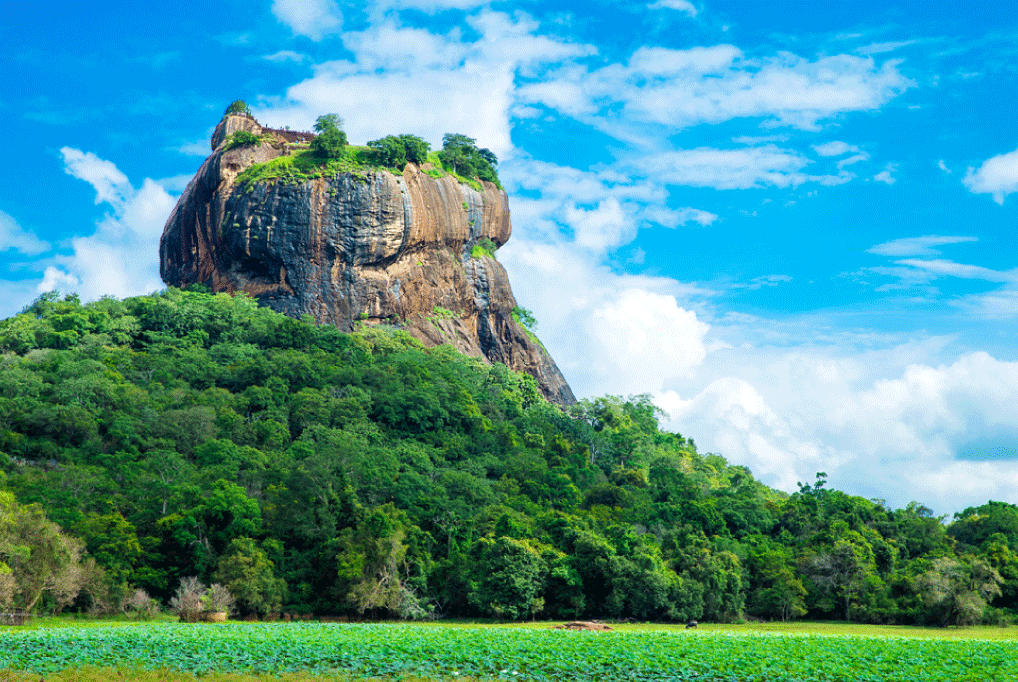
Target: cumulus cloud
x=997, y=176
x=682, y=88
x=917, y=246
x=16, y=238
x=609, y=332
x=762, y=166
x=677, y=5
x=864, y=416
x=312, y=18
x=396, y=69
x=121, y=258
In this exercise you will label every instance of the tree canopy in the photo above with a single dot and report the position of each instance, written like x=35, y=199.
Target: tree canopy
x=196, y=435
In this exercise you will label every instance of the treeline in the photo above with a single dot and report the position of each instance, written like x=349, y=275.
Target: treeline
x=186, y=434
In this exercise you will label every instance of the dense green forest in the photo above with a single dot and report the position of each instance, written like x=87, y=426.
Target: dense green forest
x=186, y=434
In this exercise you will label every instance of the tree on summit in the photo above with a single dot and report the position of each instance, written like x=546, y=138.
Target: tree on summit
x=237, y=107
x=461, y=155
x=331, y=140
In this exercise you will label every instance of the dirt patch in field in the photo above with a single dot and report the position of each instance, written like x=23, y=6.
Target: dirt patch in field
x=591, y=625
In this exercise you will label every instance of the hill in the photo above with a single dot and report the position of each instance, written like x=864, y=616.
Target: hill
x=191, y=434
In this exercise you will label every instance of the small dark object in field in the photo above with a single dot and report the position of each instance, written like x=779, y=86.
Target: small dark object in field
x=691, y=624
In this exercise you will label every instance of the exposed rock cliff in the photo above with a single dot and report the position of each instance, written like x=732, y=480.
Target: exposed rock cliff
x=355, y=249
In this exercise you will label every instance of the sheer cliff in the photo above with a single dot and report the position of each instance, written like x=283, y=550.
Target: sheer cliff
x=368, y=246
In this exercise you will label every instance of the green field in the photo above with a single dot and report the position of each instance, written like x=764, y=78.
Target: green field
x=509, y=653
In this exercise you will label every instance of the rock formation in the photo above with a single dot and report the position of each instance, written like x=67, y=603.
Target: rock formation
x=351, y=249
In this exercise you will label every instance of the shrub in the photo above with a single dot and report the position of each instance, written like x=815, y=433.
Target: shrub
x=484, y=248
x=217, y=598
x=140, y=606
x=241, y=138
x=187, y=602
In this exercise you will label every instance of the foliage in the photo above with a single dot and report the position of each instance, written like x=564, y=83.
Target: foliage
x=36, y=559
x=394, y=151
x=237, y=107
x=525, y=318
x=407, y=651
x=248, y=574
x=956, y=592
x=330, y=142
x=190, y=434
x=461, y=156
x=484, y=248
x=241, y=138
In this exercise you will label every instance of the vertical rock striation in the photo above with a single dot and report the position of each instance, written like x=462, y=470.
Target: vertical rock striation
x=368, y=248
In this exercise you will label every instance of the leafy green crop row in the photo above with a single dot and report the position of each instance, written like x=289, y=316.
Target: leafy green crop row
x=517, y=654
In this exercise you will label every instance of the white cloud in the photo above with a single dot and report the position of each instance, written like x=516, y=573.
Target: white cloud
x=121, y=258
x=55, y=279
x=397, y=69
x=285, y=56
x=949, y=268
x=742, y=168
x=13, y=236
x=196, y=148
x=865, y=416
x=917, y=246
x=943, y=166
x=885, y=175
x=677, y=5
x=681, y=88
x=834, y=148
x=877, y=48
x=608, y=332
x=998, y=176
x=312, y=18
x=111, y=186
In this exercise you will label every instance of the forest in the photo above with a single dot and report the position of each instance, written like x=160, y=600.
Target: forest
x=186, y=435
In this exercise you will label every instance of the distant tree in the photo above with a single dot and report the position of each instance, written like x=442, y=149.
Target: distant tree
x=331, y=141
x=247, y=573
x=461, y=155
x=237, y=107
x=416, y=148
x=389, y=152
x=36, y=558
x=955, y=592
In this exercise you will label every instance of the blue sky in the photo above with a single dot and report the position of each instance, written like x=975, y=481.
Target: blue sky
x=791, y=223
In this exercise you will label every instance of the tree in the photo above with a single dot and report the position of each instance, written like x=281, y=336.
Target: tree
x=36, y=558
x=955, y=592
x=461, y=155
x=513, y=576
x=844, y=571
x=245, y=570
x=330, y=142
x=389, y=152
x=237, y=107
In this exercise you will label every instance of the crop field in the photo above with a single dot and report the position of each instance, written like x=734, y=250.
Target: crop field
x=391, y=651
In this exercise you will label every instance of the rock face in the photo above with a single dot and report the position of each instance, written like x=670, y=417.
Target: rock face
x=351, y=249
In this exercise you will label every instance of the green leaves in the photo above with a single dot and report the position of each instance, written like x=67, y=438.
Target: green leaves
x=511, y=653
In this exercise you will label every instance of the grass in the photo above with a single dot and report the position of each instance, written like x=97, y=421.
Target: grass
x=357, y=160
